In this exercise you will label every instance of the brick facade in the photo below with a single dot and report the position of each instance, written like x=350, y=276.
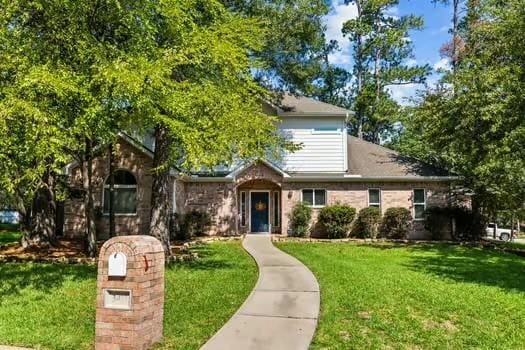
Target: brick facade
x=141, y=325
x=221, y=197
x=128, y=158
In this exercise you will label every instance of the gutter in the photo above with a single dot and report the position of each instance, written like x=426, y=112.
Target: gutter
x=359, y=178
x=346, y=178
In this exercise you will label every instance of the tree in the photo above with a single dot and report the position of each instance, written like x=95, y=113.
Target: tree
x=474, y=121
x=57, y=72
x=194, y=87
x=453, y=49
x=380, y=50
x=293, y=44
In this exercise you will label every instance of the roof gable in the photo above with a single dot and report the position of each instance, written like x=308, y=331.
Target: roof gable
x=295, y=105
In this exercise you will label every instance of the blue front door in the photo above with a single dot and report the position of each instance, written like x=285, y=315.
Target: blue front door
x=260, y=212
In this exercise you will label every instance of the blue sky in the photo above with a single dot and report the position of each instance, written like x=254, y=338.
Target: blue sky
x=426, y=42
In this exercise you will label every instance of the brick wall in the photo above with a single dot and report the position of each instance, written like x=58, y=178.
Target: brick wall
x=129, y=158
x=356, y=195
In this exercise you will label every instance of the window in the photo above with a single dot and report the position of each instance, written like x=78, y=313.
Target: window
x=327, y=130
x=314, y=197
x=124, y=193
x=374, y=197
x=275, y=209
x=420, y=204
x=242, y=208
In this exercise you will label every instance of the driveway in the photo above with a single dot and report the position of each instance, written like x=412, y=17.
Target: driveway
x=282, y=310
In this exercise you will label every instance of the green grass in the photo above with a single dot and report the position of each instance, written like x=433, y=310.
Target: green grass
x=9, y=227
x=8, y=237
x=416, y=297
x=53, y=306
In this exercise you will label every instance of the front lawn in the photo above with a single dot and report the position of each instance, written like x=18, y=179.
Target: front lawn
x=416, y=297
x=53, y=306
x=8, y=237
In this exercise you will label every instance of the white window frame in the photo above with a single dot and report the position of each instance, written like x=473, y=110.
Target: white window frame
x=314, y=205
x=242, y=208
x=424, y=203
x=106, y=185
x=337, y=131
x=380, y=197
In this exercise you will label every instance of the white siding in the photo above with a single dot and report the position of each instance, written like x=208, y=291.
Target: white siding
x=321, y=151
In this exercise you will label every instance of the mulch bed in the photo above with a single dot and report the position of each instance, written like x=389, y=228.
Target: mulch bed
x=70, y=251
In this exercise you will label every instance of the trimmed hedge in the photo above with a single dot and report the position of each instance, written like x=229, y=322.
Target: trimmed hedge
x=337, y=220
x=300, y=219
x=396, y=223
x=367, y=223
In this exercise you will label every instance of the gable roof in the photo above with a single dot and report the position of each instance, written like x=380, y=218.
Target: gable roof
x=246, y=165
x=295, y=105
x=369, y=159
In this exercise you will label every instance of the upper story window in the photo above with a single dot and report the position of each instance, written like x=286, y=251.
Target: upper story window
x=327, y=130
x=420, y=203
x=124, y=194
x=374, y=197
x=314, y=197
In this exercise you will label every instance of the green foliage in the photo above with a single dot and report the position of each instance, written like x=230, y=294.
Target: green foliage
x=396, y=223
x=438, y=222
x=473, y=123
x=300, y=219
x=380, y=50
x=367, y=223
x=293, y=42
x=186, y=226
x=337, y=220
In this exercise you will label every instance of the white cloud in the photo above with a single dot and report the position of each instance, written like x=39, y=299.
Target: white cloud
x=442, y=65
x=402, y=93
x=411, y=62
x=334, y=23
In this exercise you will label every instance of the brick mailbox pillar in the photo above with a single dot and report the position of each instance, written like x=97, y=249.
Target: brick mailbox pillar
x=130, y=293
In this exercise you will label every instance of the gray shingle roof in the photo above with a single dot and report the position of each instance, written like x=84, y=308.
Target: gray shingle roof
x=292, y=104
x=369, y=159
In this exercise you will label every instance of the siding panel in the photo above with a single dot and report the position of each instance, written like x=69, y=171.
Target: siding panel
x=321, y=151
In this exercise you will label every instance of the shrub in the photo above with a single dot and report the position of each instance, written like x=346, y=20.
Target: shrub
x=396, y=223
x=438, y=222
x=175, y=228
x=367, y=223
x=191, y=224
x=300, y=219
x=337, y=220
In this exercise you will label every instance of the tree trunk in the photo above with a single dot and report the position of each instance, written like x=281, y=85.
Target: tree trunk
x=43, y=221
x=160, y=204
x=455, y=28
x=89, y=214
x=111, y=193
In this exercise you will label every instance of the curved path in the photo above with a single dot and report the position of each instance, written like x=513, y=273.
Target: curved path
x=283, y=308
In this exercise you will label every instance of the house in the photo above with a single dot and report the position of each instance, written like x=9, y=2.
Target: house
x=331, y=167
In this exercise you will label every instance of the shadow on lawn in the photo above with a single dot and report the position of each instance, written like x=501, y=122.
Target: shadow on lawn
x=15, y=277
x=208, y=259
x=470, y=265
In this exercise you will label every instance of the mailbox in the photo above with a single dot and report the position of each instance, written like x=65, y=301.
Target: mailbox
x=117, y=265
x=130, y=293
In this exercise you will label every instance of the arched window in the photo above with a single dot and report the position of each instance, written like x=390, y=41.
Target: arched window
x=124, y=194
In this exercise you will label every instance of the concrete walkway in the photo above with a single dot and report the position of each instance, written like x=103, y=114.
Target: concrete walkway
x=282, y=310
